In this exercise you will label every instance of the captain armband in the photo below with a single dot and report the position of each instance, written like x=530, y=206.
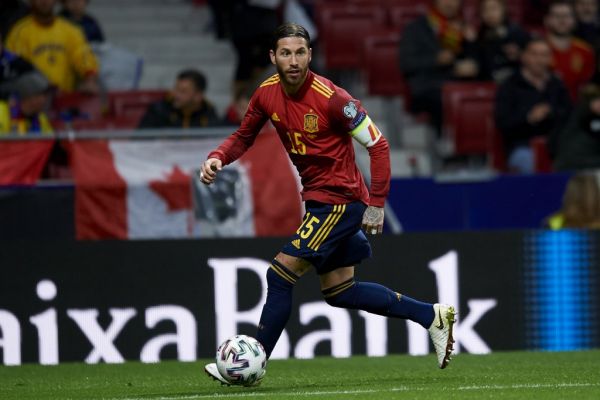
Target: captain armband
x=366, y=133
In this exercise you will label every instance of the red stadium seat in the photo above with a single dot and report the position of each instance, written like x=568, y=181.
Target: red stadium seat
x=381, y=65
x=541, y=156
x=114, y=110
x=124, y=122
x=496, y=154
x=342, y=27
x=80, y=105
x=469, y=119
x=516, y=11
x=133, y=103
x=403, y=13
x=471, y=11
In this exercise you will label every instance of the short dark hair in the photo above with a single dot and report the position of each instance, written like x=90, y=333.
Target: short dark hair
x=289, y=29
x=195, y=76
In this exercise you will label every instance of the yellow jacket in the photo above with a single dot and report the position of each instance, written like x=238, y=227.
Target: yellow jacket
x=59, y=51
x=22, y=126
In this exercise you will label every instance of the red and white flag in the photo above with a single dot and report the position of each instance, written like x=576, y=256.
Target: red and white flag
x=22, y=162
x=140, y=189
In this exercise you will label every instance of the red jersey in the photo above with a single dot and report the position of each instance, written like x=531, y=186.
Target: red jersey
x=316, y=126
x=575, y=65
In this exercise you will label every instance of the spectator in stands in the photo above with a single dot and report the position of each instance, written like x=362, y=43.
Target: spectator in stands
x=237, y=109
x=56, y=47
x=23, y=112
x=499, y=41
x=221, y=17
x=588, y=22
x=580, y=206
x=11, y=65
x=252, y=25
x=573, y=59
x=10, y=12
x=436, y=48
x=186, y=107
x=75, y=11
x=578, y=144
x=532, y=102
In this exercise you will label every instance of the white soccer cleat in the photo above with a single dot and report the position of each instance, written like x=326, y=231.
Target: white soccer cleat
x=440, y=332
x=213, y=372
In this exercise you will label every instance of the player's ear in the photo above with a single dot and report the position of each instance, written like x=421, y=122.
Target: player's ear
x=272, y=56
x=309, y=54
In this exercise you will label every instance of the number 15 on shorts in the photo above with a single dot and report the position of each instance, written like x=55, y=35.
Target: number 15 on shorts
x=306, y=229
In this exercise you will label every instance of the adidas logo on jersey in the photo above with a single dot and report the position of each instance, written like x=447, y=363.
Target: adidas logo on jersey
x=296, y=243
x=275, y=117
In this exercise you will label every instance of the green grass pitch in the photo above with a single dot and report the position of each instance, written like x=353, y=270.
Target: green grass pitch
x=518, y=375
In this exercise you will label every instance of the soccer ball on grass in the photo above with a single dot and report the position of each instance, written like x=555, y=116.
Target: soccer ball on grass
x=241, y=360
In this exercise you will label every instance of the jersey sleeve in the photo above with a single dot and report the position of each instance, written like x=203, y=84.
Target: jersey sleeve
x=349, y=115
x=240, y=141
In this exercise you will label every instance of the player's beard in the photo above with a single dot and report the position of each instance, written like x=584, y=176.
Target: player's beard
x=292, y=81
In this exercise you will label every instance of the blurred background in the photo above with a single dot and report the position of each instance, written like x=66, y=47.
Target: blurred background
x=107, y=109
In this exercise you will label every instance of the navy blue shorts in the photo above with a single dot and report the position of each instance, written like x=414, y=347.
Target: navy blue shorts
x=330, y=236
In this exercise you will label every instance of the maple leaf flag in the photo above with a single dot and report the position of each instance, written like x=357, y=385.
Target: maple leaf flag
x=141, y=189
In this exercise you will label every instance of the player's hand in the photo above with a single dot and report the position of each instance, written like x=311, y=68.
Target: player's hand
x=372, y=222
x=209, y=169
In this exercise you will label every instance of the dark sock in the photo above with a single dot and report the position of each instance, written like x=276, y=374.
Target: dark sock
x=378, y=299
x=278, y=306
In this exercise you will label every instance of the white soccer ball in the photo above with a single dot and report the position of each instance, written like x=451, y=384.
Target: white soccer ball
x=241, y=360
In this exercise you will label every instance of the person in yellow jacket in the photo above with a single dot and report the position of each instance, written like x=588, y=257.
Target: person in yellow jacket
x=56, y=47
x=580, y=206
x=22, y=107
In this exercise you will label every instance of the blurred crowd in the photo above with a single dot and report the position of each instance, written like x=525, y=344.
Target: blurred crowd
x=545, y=70
x=50, y=54
x=544, y=66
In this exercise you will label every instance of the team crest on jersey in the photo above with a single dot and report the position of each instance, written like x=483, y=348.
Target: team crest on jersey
x=311, y=123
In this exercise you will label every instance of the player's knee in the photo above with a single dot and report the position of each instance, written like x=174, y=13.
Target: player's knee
x=278, y=276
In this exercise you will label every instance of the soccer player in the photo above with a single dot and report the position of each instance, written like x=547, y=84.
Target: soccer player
x=316, y=122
